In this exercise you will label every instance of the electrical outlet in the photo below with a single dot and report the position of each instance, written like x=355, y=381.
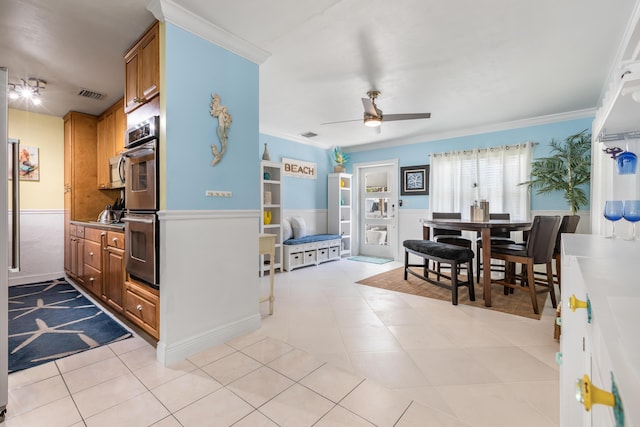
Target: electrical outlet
x=217, y=193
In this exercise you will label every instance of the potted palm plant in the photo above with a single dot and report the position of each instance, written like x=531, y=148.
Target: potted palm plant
x=340, y=158
x=567, y=169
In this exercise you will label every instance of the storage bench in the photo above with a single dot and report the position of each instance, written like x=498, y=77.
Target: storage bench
x=311, y=250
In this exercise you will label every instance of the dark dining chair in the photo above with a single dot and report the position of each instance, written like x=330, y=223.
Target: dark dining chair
x=537, y=250
x=568, y=225
x=452, y=237
x=497, y=238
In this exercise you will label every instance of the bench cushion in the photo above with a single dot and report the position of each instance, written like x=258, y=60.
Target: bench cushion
x=311, y=239
x=440, y=250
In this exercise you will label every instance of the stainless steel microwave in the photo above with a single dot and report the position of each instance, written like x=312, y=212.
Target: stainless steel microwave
x=116, y=172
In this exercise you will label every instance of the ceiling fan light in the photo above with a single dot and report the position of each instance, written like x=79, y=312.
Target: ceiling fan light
x=372, y=122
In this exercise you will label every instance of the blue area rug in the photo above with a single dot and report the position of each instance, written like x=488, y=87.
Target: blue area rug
x=370, y=259
x=51, y=320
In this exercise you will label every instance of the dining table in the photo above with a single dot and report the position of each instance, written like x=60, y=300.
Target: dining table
x=484, y=228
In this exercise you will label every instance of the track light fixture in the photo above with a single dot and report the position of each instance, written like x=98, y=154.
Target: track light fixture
x=27, y=89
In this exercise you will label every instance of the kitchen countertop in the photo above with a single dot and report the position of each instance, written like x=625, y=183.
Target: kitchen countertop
x=114, y=227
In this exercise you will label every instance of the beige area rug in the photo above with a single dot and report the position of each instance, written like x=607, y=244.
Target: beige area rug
x=518, y=303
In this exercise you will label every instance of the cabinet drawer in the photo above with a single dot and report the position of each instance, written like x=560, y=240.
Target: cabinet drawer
x=94, y=234
x=296, y=259
x=142, y=307
x=115, y=239
x=92, y=279
x=310, y=257
x=79, y=231
x=323, y=254
x=93, y=254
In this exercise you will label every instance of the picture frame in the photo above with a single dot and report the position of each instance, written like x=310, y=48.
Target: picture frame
x=414, y=180
x=29, y=163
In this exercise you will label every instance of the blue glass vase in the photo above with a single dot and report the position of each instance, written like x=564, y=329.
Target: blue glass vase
x=627, y=162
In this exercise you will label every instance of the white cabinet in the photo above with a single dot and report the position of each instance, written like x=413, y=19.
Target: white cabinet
x=313, y=253
x=603, y=341
x=340, y=209
x=271, y=210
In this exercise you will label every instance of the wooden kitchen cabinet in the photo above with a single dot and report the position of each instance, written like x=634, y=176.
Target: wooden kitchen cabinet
x=142, y=70
x=74, y=253
x=111, y=130
x=114, y=271
x=142, y=307
x=83, y=201
x=94, y=241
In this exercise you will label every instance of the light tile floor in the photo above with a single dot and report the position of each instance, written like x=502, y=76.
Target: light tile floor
x=334, y=353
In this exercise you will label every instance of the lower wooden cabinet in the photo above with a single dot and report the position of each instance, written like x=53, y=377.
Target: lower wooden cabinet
x=142, y=307
x=95, y=259
x=114, y=271
x=76, y=253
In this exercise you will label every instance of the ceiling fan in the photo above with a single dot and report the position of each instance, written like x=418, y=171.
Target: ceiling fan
x=373, y=116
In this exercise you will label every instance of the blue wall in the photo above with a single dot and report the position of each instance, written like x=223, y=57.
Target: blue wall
x=300, y=193
x=195, y=68
x=418, y=154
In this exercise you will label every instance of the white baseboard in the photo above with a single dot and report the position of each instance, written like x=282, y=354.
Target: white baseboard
x=35, y=278
x=173, y=353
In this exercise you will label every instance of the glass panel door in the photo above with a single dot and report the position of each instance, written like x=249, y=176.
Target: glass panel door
x=378, y=211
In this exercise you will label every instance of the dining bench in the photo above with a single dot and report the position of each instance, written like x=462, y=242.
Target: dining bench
x=443, y=253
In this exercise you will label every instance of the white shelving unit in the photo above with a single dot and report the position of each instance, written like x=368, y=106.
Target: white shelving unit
x=271, y=204
x=340, y=210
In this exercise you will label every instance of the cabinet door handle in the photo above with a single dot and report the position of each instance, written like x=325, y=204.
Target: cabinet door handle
x=139, y=307
x=114, y=240
x=588, y=394
x=138, y=100
x=90, y=253
x=91, y=279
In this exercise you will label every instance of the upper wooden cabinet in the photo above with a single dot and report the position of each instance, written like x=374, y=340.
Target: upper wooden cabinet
x=82, y=200
x=142, y=70
x=111, y=130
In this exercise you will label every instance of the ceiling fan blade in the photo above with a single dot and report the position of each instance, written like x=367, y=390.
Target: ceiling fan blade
x=341, y=121
x=410, y=116
x=368, y=107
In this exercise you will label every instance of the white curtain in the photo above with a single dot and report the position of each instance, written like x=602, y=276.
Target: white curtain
x=459, y=178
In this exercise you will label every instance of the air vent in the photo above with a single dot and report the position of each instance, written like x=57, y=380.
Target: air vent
x=91, y=94
x=309, y=134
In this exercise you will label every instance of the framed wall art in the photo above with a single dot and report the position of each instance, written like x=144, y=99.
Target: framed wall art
x=28, y=163
x=414, y=180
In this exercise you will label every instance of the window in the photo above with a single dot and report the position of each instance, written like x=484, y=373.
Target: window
x=460, y=178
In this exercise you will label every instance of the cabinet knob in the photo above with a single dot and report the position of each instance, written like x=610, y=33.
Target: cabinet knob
x=588, y=395
x=575, y=303
x=139, y=307
x=91, y=279
x=90, y=253
x=103, y=234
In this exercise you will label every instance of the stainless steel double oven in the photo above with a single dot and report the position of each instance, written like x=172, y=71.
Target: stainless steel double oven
x=140, y=177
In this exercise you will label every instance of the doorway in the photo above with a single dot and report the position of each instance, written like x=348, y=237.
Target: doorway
x=377, y=185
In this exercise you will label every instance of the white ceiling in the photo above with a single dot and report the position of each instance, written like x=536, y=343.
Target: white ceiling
x=472, y=64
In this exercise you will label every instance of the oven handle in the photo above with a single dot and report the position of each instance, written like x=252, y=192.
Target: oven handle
x=132, y=152
x=143, y=221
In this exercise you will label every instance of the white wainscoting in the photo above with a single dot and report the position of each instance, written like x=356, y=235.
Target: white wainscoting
x=209, y=288
x=41, y=246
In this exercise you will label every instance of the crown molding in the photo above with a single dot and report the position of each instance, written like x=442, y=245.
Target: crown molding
x=478, y=130
x=169, y=11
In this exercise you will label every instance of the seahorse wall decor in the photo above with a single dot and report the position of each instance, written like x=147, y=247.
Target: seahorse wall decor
x=224, y=123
